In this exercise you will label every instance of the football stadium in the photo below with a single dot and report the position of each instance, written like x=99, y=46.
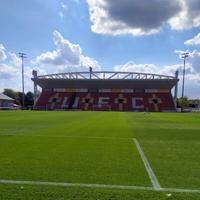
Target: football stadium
x=99, y=155
x=111, y=91
x=140, y=149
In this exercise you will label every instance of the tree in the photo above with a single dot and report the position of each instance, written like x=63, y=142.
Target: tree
x=29, y=99
x=12, y=94
x=186, y=101
x=17, y=96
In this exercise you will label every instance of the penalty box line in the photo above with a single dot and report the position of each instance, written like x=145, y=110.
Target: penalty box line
x=152, y=176
x=100, y=186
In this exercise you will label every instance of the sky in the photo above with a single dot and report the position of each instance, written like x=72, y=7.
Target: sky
x=61, y=36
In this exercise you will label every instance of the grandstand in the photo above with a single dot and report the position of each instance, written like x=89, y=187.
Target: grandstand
x=106, y=91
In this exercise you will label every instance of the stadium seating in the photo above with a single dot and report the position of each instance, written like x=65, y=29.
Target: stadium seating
x=115, y=101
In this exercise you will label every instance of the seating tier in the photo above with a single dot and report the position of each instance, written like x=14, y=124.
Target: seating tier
x=114, y=101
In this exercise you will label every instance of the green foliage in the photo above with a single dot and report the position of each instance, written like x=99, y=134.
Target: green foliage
x=186, y=102
x=17, y=96
x=98, y=148
x=12, y=94
x=29, y=99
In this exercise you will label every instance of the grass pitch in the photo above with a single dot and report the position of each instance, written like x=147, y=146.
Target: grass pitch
x=95, y=154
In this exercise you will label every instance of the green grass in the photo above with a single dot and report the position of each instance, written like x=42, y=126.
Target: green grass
x=98, y=148
x=172, y=144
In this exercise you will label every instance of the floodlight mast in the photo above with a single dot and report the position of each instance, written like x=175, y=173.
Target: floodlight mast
x=22, y=56
x=184, y=56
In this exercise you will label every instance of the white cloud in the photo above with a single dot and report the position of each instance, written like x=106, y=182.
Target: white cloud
x=132, y=67
x=170, y=70
x=66, y=57
x=15, y=60
x=40, y=71
x=195, y=78
x=181, y=52
x=142, y=17
x=188, y=17
x=89, y=62
x=2, y=53
x=11, y=77
x=61, y=14
x=194, y=60
x=11, y=73
x=193, y=41
x=64, y=6
x=12, y=69
x=192, y=78
x=7, y=71
x=148, y=68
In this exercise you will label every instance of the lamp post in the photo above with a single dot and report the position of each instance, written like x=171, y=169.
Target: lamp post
x=184, y=56
x=22, y=56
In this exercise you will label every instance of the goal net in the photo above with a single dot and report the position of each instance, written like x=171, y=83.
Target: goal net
x=101, y=107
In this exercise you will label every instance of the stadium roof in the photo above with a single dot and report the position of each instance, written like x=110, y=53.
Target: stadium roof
x=104, y=80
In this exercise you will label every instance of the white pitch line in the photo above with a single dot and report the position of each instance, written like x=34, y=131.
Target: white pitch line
x=68, y=136
x=180, y=190
x=75, y=185
x=101, y=186
x=152, y=176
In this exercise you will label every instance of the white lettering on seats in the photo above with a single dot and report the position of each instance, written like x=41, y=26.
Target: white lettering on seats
x=103, y=101
x=135, y=102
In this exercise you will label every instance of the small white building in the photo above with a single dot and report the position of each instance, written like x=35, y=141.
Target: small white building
x=5, y=101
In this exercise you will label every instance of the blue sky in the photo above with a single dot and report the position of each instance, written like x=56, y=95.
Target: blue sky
x=122, y=35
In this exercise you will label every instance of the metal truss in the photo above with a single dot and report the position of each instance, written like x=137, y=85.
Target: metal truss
x=105, y=75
